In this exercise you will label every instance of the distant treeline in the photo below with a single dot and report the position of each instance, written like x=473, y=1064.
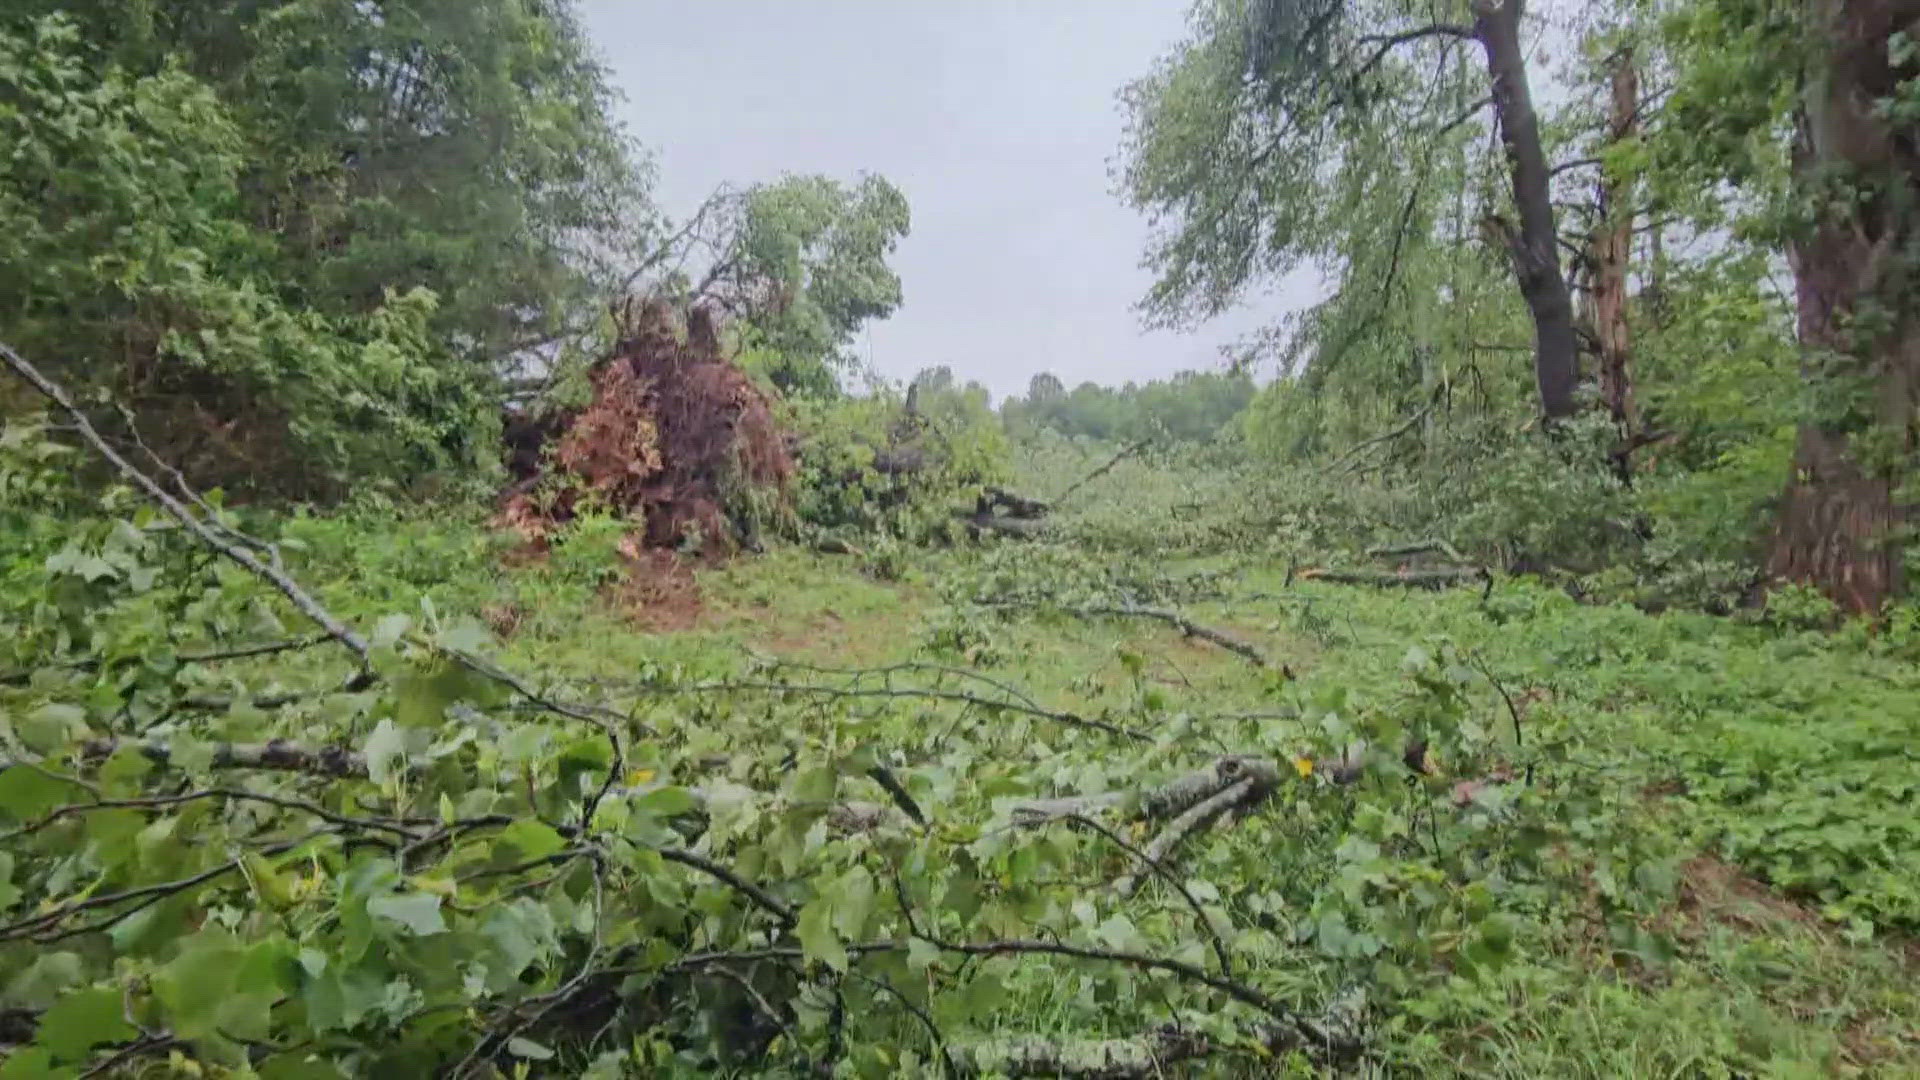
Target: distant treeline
x=1191, y=406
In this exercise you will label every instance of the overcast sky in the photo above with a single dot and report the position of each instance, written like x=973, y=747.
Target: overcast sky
x=997, y=118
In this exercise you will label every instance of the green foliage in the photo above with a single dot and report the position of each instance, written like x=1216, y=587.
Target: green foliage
x=1192, y=406
x=309, y=932
x=300, y=239
x=804, y=259
x=954, y=448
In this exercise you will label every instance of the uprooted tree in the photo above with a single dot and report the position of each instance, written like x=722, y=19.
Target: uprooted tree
x=676, y=438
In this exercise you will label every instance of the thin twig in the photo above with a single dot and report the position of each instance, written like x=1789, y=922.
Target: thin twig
x=1200, y=913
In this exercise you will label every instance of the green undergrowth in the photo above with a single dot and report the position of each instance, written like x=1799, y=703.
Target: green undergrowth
x=1691, y=854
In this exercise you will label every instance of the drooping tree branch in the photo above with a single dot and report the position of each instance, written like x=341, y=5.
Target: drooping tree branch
x=273, y=575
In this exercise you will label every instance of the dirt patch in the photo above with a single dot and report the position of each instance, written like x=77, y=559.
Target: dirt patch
x=660, y=592
x=1714, y=891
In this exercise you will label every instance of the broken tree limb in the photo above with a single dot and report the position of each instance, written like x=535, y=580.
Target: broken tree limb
x=1196, y=818
x=276, y=755
x=1018, y=528
x=1166, y=800
x=1125, y=453
x=1189, y=628
x=1402, y=579
x=1385, y=436
x=1016, y=506
x=1186, y=626
x=273, y=575
x=1159, y=866
x=1108, y=1059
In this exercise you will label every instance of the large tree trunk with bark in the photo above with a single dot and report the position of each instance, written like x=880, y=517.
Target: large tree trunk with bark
x=1536, y=260
x=1855, y=274
x=1613, y=243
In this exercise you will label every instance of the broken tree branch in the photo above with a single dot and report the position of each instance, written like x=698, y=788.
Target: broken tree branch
x=1402, y=579
x=1186, y=626
x=1388, y=435
x=1125, y=453
x=1196, y=818
x=1159, y=867
x=307, y=605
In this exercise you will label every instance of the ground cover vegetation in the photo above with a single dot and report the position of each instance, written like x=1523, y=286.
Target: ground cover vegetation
x=456, y=620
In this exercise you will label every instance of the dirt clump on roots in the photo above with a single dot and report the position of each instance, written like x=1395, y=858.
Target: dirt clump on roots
x=676, y=439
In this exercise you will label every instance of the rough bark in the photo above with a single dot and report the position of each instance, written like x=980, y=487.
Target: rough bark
x=1536, y=262
x=1613, y=243
x=1838, y=518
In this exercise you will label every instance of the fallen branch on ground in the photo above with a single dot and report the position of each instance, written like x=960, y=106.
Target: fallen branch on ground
x=1125, y=453
x=1402, y=579
x=1186, y=626
x=1019, y=528
x=1196, y=818
x=1017, y=506
x=1260, y=776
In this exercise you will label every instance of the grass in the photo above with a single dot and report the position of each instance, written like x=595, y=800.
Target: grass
x=1728, y=892
x=1754, y=983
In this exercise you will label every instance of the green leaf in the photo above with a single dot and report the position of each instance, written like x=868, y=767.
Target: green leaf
x=527, y=1048
x=467, y=635
x=418, y=912
x=195, y=983
x=665, y=802
x=31, y=1063
x=79, y=1022
x=852, y=897
x=27, y=793
x=528, y=839
x=389, y=630
x=386, y=750
x=43, y=981
x=922, y=954
x=817, y=937
x=1119, y=933
x=51, y=727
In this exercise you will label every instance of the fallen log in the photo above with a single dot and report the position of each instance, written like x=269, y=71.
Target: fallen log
x=1188, y=628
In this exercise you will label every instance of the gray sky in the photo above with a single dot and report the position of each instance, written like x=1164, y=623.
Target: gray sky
x=998, y=120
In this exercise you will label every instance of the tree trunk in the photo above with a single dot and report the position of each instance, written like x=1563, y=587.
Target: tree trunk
x=1838, y=522
x=1536, y=262
x=1613, y=243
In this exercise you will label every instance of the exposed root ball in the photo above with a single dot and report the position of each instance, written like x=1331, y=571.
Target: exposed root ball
x=676, y=438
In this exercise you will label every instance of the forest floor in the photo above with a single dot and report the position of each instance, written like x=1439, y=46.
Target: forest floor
x=1755, y=926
